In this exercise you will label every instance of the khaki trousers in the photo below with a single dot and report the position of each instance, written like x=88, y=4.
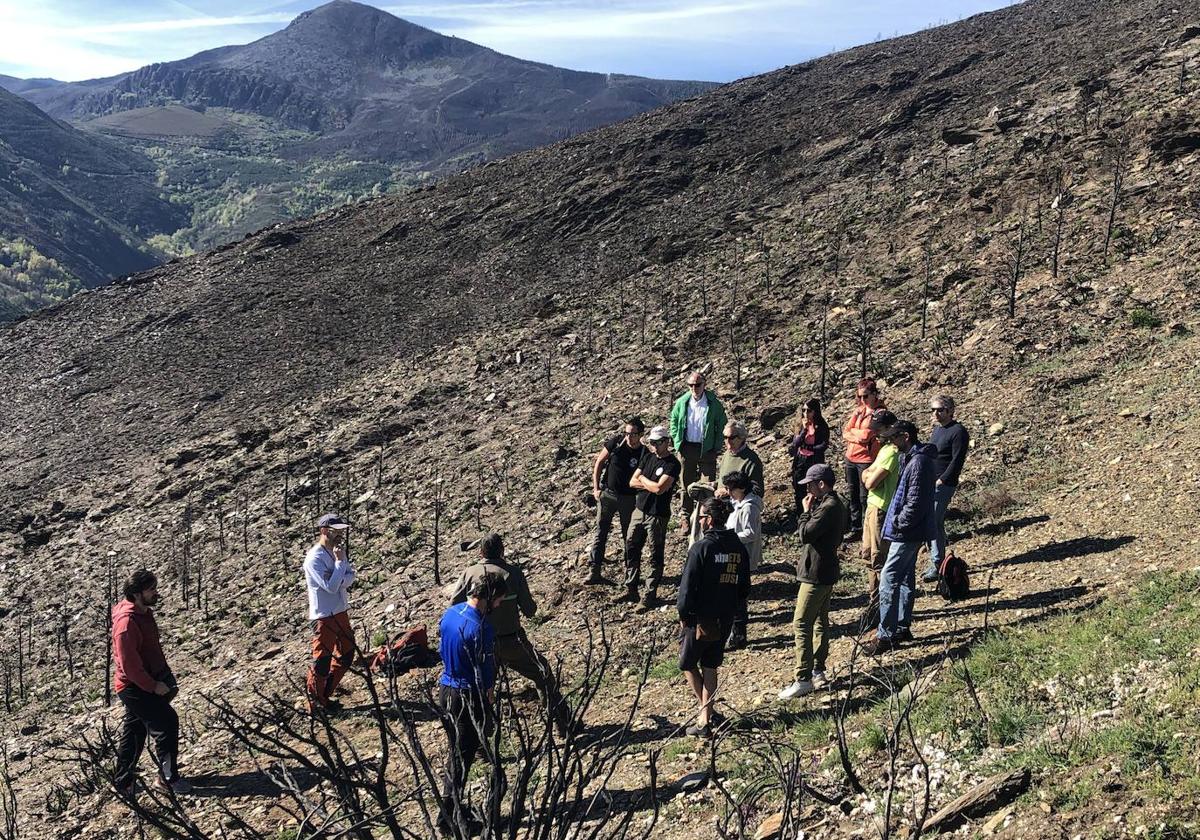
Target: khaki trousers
x=811, y=626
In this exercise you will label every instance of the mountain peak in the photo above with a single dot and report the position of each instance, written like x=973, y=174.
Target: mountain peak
x=362, y=35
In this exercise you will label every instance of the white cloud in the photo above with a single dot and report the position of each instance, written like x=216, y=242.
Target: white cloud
x=170, y=25
x=79, y=39
x=522, y=21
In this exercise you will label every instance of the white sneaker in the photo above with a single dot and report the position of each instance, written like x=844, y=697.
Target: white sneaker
x=796, y=689
x=820, y=680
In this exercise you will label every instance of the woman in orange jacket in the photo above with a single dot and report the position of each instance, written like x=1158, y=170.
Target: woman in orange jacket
x=862, y=445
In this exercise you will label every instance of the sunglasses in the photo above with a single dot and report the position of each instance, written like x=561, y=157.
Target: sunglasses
x=732, y=437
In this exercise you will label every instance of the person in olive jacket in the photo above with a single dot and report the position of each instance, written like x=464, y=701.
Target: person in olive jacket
x=823, y=521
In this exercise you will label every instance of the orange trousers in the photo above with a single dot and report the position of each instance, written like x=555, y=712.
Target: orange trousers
x=332, y=653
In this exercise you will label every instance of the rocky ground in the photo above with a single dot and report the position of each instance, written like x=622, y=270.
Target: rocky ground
x=467, y=348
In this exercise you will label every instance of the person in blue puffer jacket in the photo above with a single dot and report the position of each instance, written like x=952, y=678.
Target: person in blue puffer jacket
x=909, y=524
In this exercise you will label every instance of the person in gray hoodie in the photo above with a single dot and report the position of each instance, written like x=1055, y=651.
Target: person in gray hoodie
x=746, y=522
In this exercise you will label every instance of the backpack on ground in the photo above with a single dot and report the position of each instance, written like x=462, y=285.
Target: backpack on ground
x=406, y=651
x=954, y=583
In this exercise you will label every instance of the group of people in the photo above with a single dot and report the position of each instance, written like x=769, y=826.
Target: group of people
x=898, y=490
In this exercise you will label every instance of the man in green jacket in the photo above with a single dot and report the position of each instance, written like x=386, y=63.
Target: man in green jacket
x=697, y=419
x=513, y=648
x=823, y=521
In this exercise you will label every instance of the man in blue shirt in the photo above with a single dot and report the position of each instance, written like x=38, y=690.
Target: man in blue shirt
x=465, y=690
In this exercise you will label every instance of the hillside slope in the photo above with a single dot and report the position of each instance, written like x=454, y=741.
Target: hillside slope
x=481, y=335
x=84, y=202
x=346, y=102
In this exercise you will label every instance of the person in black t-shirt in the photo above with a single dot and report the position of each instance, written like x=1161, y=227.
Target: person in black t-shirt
x=655, y=481
x=616, y=462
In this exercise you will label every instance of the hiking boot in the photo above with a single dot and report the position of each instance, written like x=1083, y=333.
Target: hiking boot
x=650, y=601
x=178, y=787
x=852, y=535
x=930, y=576
x=870, y=619
x=630, y=596
x=902, y=635
x=797, y=689
x=736, y=640
x=330, y=708
x=820, y=679
x=595, y=578
x=698, y=731
x=878, y=646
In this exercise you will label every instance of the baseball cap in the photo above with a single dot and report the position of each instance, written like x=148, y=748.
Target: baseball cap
x=819, y=472
x=881, y=418
x=332, y=520
x=658, y=433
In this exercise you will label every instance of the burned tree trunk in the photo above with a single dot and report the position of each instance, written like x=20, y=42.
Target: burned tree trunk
x=1018, y=257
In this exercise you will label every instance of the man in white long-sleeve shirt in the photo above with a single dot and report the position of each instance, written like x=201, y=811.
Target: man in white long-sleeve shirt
x=328, y=575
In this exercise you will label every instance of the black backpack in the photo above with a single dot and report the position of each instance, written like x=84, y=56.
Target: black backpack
x=954, y=584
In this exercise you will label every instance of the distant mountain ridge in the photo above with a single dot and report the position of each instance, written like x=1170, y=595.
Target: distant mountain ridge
x=346, y=102
x=80, y=200
x=379, y=87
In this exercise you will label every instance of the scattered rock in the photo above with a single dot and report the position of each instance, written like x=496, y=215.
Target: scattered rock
x=960, y=136
x=770, y=417
x=693, y=782
x=771, y=828
x=270, y=653
x=995, y=430
x=996, y=821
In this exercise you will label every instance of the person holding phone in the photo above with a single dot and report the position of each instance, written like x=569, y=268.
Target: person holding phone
x=328, y=576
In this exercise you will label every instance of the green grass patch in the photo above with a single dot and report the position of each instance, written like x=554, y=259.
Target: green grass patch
x=1119, y=683
x=1144, y=318
x=664, y=669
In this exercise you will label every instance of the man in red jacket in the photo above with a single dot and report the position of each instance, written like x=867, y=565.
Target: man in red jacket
x=146, y=686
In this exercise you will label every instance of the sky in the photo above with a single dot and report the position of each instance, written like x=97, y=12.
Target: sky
x=713, y=40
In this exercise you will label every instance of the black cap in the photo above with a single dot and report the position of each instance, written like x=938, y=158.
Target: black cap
x=881, y=418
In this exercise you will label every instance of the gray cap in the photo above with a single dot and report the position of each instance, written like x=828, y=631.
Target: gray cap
x=332, y=520
x=819, y=472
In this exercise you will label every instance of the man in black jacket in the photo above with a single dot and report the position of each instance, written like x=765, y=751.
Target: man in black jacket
x=823, y=521
x=952, y=441
x=716, y=577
